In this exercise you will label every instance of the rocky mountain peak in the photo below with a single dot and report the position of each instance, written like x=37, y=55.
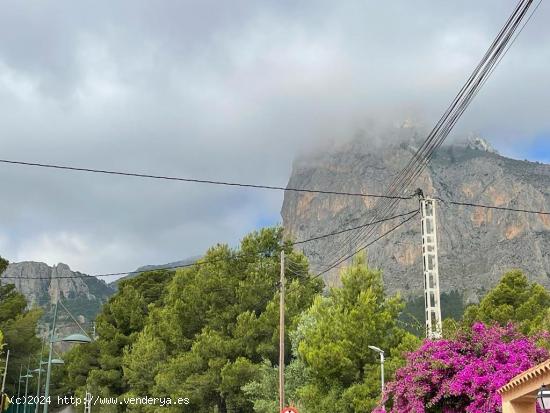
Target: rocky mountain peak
x=480, y=144
x=476, y=245
x=42, y=285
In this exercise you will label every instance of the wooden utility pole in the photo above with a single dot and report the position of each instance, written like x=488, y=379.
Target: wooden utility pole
x=282, y=336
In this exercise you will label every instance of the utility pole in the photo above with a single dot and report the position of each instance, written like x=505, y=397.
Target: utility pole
x=4, y=382
x=431, y=267
x=282, y=335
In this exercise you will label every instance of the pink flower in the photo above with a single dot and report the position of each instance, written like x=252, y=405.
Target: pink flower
x=462, y=375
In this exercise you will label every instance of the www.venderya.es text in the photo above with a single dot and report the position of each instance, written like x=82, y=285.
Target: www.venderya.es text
x=146, y=400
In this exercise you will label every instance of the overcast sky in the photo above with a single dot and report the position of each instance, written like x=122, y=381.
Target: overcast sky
x=228, y=90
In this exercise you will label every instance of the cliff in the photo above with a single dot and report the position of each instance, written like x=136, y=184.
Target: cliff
x=82, y=295
x=475, y=245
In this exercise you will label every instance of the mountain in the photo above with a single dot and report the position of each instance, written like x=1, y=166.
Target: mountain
x=174, y=265
x=476, y=245
x=82, y=295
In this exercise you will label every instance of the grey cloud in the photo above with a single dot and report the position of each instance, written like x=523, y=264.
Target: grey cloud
x=230, y=90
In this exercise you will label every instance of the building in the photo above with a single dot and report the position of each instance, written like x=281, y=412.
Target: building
x=519, y=395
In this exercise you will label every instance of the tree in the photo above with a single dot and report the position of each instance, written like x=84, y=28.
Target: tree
x=513, y=299
x=344, y=374
x=118, y=325
x=462, y=374
x=263, y=391
x=79, y=361
x=3, y=265
x=18, y=326
x=218, y=322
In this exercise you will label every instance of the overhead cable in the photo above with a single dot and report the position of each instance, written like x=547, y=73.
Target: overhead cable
x=195, y=180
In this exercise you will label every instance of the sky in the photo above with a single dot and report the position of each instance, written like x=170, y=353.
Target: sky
x=231, y=91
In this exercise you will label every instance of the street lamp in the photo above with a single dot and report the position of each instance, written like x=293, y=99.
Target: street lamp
x=73, y=338
x=543, y=398
x=381, y=352
x=20, y=380
x=39, y=370
x=55, y=362
x=77, y=339
x=26, y=377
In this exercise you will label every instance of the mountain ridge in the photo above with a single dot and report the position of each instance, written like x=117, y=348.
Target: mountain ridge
x=476, y=245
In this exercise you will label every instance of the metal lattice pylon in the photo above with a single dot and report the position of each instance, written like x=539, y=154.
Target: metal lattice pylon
x=431, y=269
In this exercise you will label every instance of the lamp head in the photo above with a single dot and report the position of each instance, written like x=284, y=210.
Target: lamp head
x=543, y=398
x=378, y=350
x=77, y=338
x=57, y=362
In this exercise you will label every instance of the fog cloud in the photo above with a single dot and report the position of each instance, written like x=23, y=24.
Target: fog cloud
x=224, y=90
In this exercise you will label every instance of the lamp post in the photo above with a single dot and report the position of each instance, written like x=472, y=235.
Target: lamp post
x=26, y=377
x=39, y=370
x=381, y=352
x=543, y=398
x=73, y=338
x=19, y=380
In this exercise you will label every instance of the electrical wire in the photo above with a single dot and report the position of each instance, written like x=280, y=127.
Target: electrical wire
x=343, y=259
x=239, y=256
x=199, y=262
x=500, y=208
x=193, y=180
x=439, y=133
x=330, y=234
x=318, y=275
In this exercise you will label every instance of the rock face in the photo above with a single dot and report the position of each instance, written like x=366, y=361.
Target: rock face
x=476, y=245
x=83, y=296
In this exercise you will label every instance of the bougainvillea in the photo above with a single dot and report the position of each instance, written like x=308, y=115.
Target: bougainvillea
x=462, y=374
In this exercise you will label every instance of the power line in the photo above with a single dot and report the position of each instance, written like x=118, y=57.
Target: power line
x=196, y=180
x=314, y=277
x=452, y=114
x=200, y=262
x=354, y=228
x=500, y=208
x=343, y=259
x=205, y=262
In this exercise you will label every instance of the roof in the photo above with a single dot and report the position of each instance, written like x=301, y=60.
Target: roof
x=532, y=373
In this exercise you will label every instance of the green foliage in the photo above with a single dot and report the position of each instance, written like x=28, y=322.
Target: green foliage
x=219, y=322
x=3, y=264
x=79, y=360
x=412, y=317
x=202, y=332
x=344, y=373
x=263, y=392
x=513, y=299
x=12, y=303
x=18, y=327
x=140, y=372
x=118, y=325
